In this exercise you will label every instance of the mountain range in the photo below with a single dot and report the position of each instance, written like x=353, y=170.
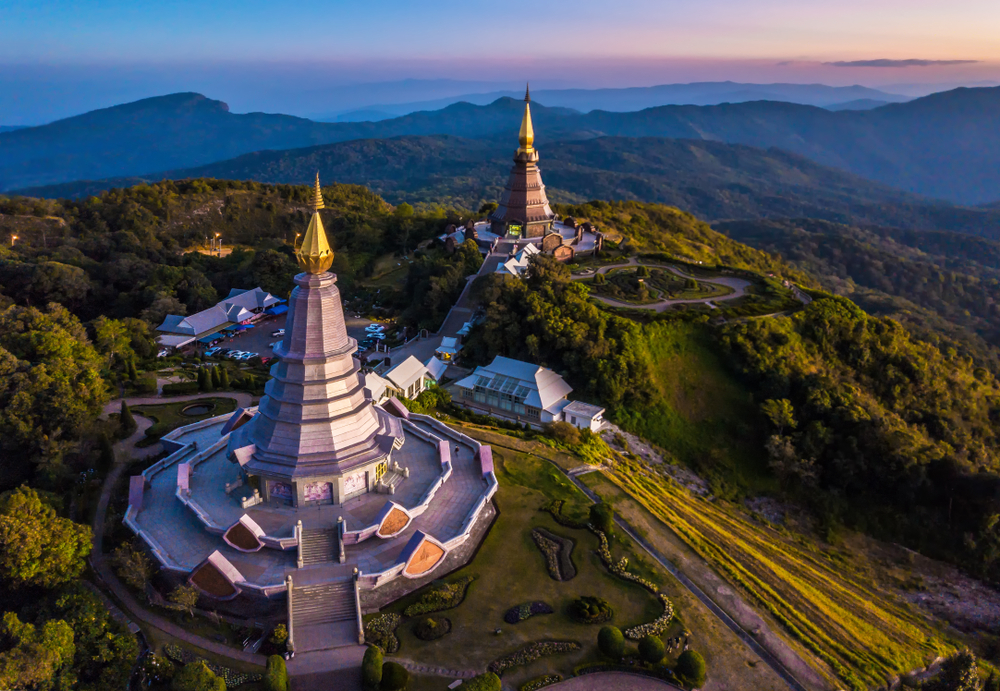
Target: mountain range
x=945, y=146
x=713, y=180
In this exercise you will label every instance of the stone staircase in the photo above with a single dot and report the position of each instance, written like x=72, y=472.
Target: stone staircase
x=326, y=603
x=320, y=546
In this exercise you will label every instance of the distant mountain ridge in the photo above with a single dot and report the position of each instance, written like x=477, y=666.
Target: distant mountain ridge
x=946, y=145
x=713, y=180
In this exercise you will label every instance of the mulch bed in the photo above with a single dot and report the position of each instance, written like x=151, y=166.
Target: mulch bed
x=557, y=551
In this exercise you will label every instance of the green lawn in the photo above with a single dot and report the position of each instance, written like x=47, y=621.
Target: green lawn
x=168, y=416
x=511, y=570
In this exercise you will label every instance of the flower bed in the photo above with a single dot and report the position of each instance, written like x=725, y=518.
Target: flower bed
x=540, y=682
x=381, y=631
x=441, y=597
x=526, y=611
x=557, y=551
x=530, y=653
x=232, y=677
x=620, y=569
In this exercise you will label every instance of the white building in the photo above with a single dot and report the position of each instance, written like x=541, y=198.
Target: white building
x=240, y=307
x=448, y=349
x=376, y=388
x=514, y=390
x=584, y=415
x=435, y=369
x=408, y=378
x=518, y=263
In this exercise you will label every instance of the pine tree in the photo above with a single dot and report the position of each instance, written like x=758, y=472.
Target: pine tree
x=204, y=383
x=223, y=378
x=126, y=422
x=132, y=374
x=215, y=377
x=106, y=451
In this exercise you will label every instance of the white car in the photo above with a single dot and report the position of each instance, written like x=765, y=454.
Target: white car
x=279, y=332
x=248, y=356
x=374, y=328
x=212, y=351
x=234, y=354
x=163, y=353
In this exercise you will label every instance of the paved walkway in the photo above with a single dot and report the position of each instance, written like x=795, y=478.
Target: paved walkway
x=612, y=681
x=738, y=286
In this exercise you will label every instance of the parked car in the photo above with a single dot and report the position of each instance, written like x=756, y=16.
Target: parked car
x=279, y=332
x=212, y=351
x=265, y=360
x=234, y=354
x=163, y=353
x=374, y=328
x=248, y=356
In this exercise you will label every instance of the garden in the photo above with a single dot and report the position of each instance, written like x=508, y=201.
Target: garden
x=167, y=417
x=644, y=285
x=537, y=594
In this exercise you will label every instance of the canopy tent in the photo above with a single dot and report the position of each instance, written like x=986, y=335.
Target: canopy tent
x=244, y=327
x=232, y=327
x=211, y=338
x=276, y=310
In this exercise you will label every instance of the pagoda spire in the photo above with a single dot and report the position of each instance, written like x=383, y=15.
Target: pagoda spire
x=526, y=137
x=315, y=255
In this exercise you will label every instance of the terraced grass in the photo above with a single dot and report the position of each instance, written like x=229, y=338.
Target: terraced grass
x=864, y=634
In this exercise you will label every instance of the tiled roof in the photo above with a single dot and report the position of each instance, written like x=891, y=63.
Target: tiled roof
x=237, y=307
x=539, y=387
x=406, y=372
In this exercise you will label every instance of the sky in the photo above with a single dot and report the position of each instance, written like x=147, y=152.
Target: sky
x=61, y=57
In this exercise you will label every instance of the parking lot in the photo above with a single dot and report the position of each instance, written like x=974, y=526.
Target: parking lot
x=258, y=339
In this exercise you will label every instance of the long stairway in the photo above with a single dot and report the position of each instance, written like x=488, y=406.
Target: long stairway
x=324, y=616
x=320, y=546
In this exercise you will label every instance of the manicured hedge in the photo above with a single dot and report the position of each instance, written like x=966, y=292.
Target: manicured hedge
x=276, y=677
x=371, y=668
x=611, y=642
x=394, y=677
x=180, y=388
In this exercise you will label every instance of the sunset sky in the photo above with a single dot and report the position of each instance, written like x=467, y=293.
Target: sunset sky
x=58, y=57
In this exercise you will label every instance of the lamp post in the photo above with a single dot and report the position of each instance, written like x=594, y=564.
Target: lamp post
x=218, y=243
x=13, y=238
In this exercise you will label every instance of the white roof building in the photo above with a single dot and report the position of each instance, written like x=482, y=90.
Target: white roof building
x=375, y=387
x=518, y=264
x=515, y=389
x=448, y=349
x=584, y=415
x=238, y=307
x=407, y=377
x=435, y=368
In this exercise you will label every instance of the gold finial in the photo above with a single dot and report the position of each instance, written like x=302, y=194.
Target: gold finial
x=526, y=138
x=315, y=255
x=317, y=200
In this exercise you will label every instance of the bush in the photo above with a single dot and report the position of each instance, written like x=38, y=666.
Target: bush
x=126, y=423
x=394, y=677
x=279, y=635
x=146, y=385
x=432, y=629
x=196, y=676
x=691, y=669
x=602, y=516
x=611, y=642
x=525, y=611
x=590, y=610
x=563, y=432
x=487, y=681
x=444, y=596
x=223, y=378
x=651, y=649
x=276, y=677
x=371, y=668
x=381, y=631
x=180, y=388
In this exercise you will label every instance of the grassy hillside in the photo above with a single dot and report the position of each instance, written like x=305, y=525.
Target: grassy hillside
x=712, y=180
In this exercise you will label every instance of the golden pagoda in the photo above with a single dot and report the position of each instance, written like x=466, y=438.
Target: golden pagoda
x=526, y=137
x=315, y=255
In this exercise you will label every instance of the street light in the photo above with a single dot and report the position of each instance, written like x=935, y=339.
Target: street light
x=12, y=239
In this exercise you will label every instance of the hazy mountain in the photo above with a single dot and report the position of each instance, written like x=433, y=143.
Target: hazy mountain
x=711, y=179
x=859, y=104
x=10, y=128
x=945, y=145
x=640, y=98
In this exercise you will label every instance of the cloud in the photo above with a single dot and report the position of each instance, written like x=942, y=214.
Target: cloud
x=899, y=63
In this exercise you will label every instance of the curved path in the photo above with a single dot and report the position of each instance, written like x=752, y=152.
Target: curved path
x=738, y=286
x=612, y=681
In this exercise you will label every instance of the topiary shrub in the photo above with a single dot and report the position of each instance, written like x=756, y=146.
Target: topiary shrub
x=394, y=677
x=432, y=629
x=126, y=423
x=651, y=650
x=590, y=610
x=276, y=677
x=180, y=388
x=611, y=642
x=602, y=516
x=196, y=676
x=487, y=681
x=690, y=669
x=371, y=668
x=146, y=384
x=279, y=635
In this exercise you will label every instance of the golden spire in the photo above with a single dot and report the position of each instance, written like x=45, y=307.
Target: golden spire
x=315, y=255
x=526, y=138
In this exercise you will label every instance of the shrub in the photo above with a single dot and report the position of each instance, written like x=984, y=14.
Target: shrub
x=590, y=610
x=432, y=629
x=526, y=611
x=602, y=516
x=180, y=388
x=691, y=668
x=371, y=668
x=279, y=635
x=126, y=423
x=146, y=385
x=394, y=677
x=611, y=642
x=651, y=649
x=223, y=378
x=487, y=681
x=276, y=677
x=157, y=670
x=563, y=432
x=196, y=676
x=381, y=631
x=214, y=375
x=542, y=681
